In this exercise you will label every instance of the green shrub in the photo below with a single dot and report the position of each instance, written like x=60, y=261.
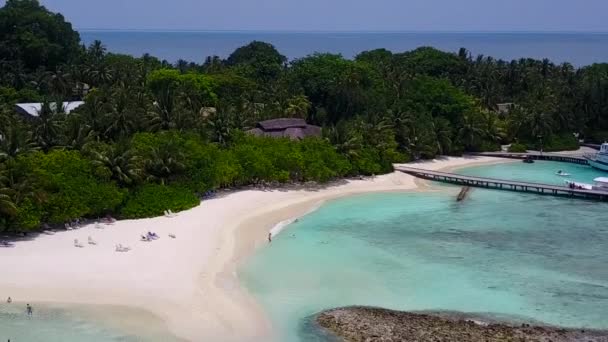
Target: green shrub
x=562, y=142
x=488, y=146
x=153, y=199
x=68, y=185
x=518, y=148
x=596, y=137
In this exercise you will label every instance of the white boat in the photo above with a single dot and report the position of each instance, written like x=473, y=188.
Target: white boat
x=562, y=174
x=601, y=183
x=600, y=159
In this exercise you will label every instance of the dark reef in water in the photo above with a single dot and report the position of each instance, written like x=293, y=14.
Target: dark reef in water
x=369, y=324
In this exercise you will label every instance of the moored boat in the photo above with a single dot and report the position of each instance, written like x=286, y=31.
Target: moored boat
x=600, y=159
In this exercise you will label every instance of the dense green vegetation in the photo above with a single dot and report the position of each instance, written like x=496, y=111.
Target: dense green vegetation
x=152, y=135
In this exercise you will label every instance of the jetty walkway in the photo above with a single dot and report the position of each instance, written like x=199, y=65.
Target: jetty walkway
x=500, y=184
x=574, y=159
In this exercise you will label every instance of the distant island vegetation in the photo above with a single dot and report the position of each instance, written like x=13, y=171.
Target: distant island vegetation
x=152, y=135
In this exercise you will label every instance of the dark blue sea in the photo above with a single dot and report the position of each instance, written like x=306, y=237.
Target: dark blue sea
x=579, y=49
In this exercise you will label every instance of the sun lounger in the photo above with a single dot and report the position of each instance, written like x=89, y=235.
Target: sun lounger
x=68, y=227
x=98, y=226
x=77, y=244
x=172, y=214
x=91, y=241
x=121, y=248
x=172, y=236
x=145, y=238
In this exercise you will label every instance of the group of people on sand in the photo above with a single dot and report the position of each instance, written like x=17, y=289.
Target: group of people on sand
x=150, y=237
x=28, y=308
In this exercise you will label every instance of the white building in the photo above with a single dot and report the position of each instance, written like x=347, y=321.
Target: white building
x=32, y=109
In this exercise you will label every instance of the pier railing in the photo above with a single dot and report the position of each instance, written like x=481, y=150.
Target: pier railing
x=501, y=184
x=574, y=159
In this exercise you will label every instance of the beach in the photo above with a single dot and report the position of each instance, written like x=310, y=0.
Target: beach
x=189, y=282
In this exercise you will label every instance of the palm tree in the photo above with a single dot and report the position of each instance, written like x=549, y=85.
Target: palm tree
x=78, y=133
x=443, y=134
x=99, y=74
x=298, y=106
x=14, y=137
x=121, y=163
x=161, y=163
x=346, y=142
x=96, y=50
x=221, y=127
x=47, y=126
x=7, y=206
x=471, y=130
x=59, y=82
x=120, y=118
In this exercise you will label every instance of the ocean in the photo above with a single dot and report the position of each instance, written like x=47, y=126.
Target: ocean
x=511, y=256
x=579, y=49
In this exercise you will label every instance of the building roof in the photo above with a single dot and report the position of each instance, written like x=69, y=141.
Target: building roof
x=33, y=109
x=282, y=123
x=292, y=128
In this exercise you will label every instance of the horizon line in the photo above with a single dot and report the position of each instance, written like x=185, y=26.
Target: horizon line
x=157, y=30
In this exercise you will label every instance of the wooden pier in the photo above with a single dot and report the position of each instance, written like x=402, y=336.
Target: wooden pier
x=536, y=156
x=500, y=184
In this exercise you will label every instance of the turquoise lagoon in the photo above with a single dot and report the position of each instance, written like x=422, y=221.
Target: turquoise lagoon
x=57, y=323
x=503, y=254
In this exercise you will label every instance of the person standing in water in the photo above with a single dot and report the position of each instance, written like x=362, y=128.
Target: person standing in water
x=29, y=310
x=9, y=300
x=269, y=237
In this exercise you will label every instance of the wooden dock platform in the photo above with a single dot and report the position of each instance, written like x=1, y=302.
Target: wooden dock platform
x=536, y=156
x=500, y=184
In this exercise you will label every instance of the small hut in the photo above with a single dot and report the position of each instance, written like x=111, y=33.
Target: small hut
x=293, y=128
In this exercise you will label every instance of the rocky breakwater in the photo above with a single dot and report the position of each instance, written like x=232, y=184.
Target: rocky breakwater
x=375, y=324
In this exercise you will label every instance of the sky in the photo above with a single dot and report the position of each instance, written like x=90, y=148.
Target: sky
x=336, y=15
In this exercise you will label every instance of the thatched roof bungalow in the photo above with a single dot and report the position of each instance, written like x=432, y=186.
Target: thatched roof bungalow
x=292, y=128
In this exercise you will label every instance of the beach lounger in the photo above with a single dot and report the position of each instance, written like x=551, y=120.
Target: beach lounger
x=68, y=227
x=171, y=214
x=77, y=244
x=91, y=241
x=172, y=236
x=98, y=226
x=121, y=248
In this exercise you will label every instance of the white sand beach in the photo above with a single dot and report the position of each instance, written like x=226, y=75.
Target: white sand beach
x=190, y=282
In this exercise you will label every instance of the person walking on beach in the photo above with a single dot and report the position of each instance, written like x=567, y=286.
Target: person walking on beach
x=269, y=237
x=29, y=310
x=9, y=300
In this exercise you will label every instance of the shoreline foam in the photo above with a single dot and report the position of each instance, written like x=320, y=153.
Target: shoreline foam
x=190, y=282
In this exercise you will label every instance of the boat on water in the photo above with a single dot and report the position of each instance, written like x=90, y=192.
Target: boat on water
x=600, y=183
x=562, y=174
x=528, y=160
x=599, y=160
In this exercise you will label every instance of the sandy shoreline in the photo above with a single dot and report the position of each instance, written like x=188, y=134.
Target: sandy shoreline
x=189, y=282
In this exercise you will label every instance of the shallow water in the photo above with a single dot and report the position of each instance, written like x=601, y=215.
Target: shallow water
x=540, y=172
x=502, y=253
x=69, y=323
